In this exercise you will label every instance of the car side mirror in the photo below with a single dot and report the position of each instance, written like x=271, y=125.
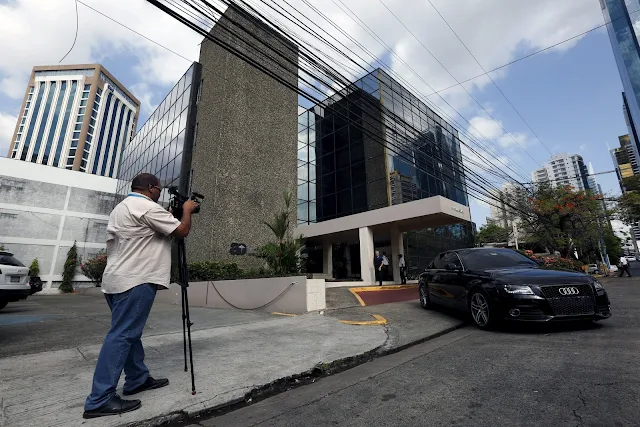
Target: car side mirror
x=451, y=267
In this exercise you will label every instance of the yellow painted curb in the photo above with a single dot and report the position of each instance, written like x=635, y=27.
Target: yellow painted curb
x=379, y=321
x=352, y=290
x=284, y=314
x=382, y=288
x=355, y=291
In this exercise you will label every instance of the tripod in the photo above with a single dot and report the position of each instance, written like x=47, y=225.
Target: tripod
x=186, y=320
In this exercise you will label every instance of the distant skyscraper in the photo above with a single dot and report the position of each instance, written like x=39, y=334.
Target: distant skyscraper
x=76, y=117
x=564, y=169
x=502, y=213
x=623, y=18
x=624, y=160
x=593, y=182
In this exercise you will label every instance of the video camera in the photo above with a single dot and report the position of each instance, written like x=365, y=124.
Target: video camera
x=177, y=201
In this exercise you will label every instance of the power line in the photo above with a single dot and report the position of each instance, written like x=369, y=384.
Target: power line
x=75, y=38
x=160, y=45
x=259, y=66
x=532, y=54
x=134, y=31
x=453, y=77
x=319, y=102
x=490, y=78
x=382, y=42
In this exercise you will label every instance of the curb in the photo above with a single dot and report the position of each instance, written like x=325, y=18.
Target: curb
x=181, y=418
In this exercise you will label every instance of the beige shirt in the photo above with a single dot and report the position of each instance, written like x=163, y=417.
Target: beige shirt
x=138, y=246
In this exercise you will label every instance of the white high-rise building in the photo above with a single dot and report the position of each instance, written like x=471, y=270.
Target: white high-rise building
x=564, y=169
x=77, y=117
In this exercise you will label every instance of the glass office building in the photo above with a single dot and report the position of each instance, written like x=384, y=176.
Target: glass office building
x=374, y=145
x=163, y=144
x=623, y=24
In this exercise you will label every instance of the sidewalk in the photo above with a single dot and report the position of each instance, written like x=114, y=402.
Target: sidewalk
x=248, y=356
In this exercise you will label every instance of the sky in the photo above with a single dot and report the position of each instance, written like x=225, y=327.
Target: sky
x=569, y=96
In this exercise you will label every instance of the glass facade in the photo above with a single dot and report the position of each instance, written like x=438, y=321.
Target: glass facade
x=373, y=145
x=54, y=122
x=65, y=123
x=158, y=146
x=34, y=119
x=623, y=24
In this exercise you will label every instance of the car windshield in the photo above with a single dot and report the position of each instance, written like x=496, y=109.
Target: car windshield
x=498, y=258
x=9, y=260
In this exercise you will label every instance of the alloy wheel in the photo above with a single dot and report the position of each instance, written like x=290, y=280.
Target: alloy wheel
x=480, y=309
x=424, y=298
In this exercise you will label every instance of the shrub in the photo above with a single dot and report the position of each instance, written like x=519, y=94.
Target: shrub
x=69, y=271
x=283, y=255
x=94, y=268
x=554, y=262
x=34, y=268
x=219, y=270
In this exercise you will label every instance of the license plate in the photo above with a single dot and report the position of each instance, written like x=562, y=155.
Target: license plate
x=15, y=279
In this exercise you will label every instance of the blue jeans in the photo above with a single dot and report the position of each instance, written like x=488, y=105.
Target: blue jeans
x=122, y=348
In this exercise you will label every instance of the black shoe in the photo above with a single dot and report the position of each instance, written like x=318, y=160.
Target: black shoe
x=115, y=406
x=149, y=384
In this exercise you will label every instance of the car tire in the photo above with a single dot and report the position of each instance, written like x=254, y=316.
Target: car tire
x=425, y=301
x=481, y=309
x=3, y=304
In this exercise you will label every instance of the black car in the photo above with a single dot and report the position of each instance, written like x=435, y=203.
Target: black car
x=501, y=284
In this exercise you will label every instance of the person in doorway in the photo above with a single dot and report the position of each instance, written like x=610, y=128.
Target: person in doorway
x=624, y=266
x=377, y=263
x=403, y=269
x=385, y=266
x=138, y=264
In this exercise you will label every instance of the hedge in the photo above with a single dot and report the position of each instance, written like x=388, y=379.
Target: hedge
x=219, y=270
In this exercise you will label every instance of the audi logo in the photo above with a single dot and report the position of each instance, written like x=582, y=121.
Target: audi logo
x=569, y=291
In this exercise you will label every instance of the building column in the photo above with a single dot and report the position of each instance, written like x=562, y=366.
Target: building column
x=367, y=270
x=397, y=248
x=327, y=259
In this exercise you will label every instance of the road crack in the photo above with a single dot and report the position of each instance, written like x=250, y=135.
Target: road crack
x=575, y=411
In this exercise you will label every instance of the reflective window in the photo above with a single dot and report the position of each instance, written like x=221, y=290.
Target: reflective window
x=34, y=118
x=43, y=122
x=65, y=123
x=157, y=147
x=105, y=115
x=54, y=123
x=390, y=151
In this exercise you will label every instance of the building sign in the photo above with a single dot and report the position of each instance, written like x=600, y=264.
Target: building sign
x=457, y=209
x=238, y=249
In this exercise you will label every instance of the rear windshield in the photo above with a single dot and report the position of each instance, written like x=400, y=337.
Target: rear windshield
x=498, y=258
x=9, y=260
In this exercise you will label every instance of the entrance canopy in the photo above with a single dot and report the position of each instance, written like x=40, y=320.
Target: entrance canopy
x=418, y=214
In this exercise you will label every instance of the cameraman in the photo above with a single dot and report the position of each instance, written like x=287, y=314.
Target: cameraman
x=139, y=262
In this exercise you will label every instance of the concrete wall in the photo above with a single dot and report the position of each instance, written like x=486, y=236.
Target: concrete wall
x=43, y=210
x=245, y=147
x=295, y=295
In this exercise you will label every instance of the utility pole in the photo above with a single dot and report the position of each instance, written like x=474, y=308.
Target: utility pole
x=515, y=233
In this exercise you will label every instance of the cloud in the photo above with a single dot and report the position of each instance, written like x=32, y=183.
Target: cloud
x=7, y=127
x=35, y=32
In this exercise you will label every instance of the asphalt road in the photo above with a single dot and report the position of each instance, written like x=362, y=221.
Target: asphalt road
x=560, y=375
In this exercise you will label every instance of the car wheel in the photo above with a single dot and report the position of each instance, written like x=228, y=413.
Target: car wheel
x=3, y=304
x=425, y=302
x=480, y=309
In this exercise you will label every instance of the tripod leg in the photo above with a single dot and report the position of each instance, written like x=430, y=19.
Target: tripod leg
x=184, y=328
x=193, y=379
x=185, y=294
x=183, y=291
